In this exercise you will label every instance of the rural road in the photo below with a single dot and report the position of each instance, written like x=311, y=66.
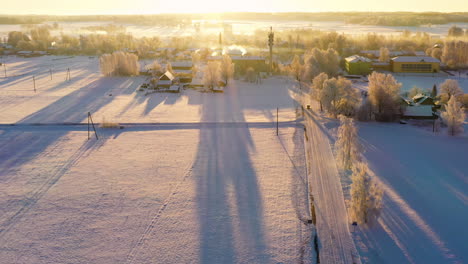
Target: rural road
x=335, y=242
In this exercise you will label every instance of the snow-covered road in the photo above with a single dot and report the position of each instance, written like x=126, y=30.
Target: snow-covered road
x=335, y=242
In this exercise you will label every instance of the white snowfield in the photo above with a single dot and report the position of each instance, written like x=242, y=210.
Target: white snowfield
x=196, y=178
x=425, y=180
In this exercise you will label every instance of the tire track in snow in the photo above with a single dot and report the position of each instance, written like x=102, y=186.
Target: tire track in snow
x=38, y=193
x=135, y=249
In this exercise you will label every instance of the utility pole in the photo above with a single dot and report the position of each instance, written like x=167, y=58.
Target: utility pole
x=277, y=133
x=34, y=83
x=271, y=37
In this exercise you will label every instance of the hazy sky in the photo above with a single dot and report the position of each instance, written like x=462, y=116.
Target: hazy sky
x=66, y=7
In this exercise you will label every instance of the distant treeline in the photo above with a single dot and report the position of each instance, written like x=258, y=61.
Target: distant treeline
x=364, y=18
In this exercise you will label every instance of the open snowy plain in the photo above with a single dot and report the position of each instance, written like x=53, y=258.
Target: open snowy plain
x=201, y=177
x=192, y=178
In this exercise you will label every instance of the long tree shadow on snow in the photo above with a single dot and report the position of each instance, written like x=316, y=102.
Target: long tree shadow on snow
x=230, y=210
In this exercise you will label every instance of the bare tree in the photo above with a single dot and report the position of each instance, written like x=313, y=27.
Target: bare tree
x=227, y=68
x=212, y=74
x=347, y=144
x=454, y=116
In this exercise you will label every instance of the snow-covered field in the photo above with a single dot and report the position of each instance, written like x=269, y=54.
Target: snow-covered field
x=201, y=177
x=211, y=183
x=117, y=99
x=425, y=180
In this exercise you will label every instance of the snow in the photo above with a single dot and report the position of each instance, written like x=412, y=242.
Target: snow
x=193, y=177
x=425, y=184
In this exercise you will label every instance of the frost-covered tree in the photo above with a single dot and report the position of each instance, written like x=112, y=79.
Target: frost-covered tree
x=295, y=69
x=169, y=68
x=454, y=53
x=415, y=91
x=366, y=196
x=451, y=88
x=156, y=69
x=339, y=97
x=119, y=64
x=330, y=95
x=349, y=99
x=384, y=92
x=317, y=86
x=454, y=116
x=227, y=68
x=212, y=74
x=384, y=54
x=317, y=61
x=347, y=143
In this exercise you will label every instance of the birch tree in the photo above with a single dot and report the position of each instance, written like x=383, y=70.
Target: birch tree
x=454, y=116
x=347, y=144
x=212, y=74
x=317, y=86
x=227, y=68
x=295, y=69
x=366, y=196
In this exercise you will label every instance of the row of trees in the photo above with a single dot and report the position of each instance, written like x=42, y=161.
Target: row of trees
x=316, y=61
x=335, y=95
x=119, y=64
x=366, y=194
x=217, y=71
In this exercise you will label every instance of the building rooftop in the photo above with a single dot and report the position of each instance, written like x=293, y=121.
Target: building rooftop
x=415, y=59
x=181, y=64
x=357, y=58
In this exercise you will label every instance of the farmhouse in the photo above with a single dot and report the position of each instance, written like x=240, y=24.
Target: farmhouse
x=419, y=64
x=358, y=65
x=166, y=80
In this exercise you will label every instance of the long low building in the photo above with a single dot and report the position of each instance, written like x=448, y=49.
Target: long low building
x=417, y=64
